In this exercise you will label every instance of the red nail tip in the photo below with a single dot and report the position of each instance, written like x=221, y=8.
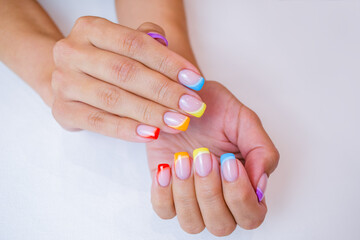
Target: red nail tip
x=156, y=133
x=162, y=166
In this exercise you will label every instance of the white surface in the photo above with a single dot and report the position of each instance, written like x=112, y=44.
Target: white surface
x=296, y=63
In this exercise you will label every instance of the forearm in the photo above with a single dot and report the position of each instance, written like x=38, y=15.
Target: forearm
x=169, y=14
x=27, y=36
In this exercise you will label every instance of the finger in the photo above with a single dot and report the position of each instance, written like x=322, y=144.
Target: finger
x=161, y=194
x=139, y=46
x=239, y=194
x=154, y=31
x=82, y=116
x=261, y=156
x=134, y=77
x=114, y=100
x=186, y=205
x=216, y=215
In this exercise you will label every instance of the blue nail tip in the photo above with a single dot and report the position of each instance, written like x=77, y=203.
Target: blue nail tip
x=226, y=156
x=198, y=86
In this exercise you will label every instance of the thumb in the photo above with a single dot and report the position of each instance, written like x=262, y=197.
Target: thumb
x=154, y=31
x=260, y=154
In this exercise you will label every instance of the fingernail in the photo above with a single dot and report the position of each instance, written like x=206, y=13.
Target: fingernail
x=192, y=105
x=261, y=187
x=146, y=131
x=182, y=165
x=176, y=121
x=160, y=38
x=191, y=79
x=202, y=159
x=163, y=174
x=229, y=167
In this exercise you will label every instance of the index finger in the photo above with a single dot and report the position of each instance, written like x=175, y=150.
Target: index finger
x=141, y=47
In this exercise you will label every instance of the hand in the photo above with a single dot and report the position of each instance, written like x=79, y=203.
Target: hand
x=122, y=83
x=218, y=197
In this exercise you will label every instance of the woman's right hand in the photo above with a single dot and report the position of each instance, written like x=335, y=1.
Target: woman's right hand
x=122, y=83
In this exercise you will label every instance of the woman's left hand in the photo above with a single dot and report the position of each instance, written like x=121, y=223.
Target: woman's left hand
x=204, y=193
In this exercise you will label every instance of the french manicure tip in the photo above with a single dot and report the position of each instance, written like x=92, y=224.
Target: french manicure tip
x=226, y=156
x=199, y=112
x=198, y=86
x=259, y=194
x=199, y=151
x=160, y=38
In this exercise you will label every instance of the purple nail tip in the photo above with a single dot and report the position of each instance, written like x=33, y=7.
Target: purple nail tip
x=158, y=37
x=259, y=194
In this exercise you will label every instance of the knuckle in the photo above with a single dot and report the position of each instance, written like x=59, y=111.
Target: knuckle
x=193, y=228
x=250, y=224
x=59, y=84
x=96, y=119
x=59, y=112
x=120, y=131
x=211, y=196
x=274, y=158
x=163, y=64
x=132, y=42
x=221, y=230
x=161, y=91
x=146, y=112
x=61, y=49
x=124, y=71
x=56, y=80
x=109, y=96
x=84, y=21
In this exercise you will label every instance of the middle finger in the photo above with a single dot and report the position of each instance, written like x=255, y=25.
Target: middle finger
x=134, y=77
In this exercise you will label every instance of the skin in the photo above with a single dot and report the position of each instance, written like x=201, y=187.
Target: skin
x=234, y=128
x=32, y=46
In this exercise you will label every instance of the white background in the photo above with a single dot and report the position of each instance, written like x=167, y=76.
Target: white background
x=296, y=63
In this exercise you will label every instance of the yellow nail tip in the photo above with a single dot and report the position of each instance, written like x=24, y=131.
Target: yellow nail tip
x=179, y=155
x=199, y=112
x=198, y=151
x=184, y=125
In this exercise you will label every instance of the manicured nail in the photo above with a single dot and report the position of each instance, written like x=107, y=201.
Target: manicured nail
x=182, y=165
x=261, y=187
x=146, y=131
x=191, y=79
x=176, y=121
x=192, y=105
x=202, y=161
x=160, y=38
x=229, y=167
x=163, y=174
